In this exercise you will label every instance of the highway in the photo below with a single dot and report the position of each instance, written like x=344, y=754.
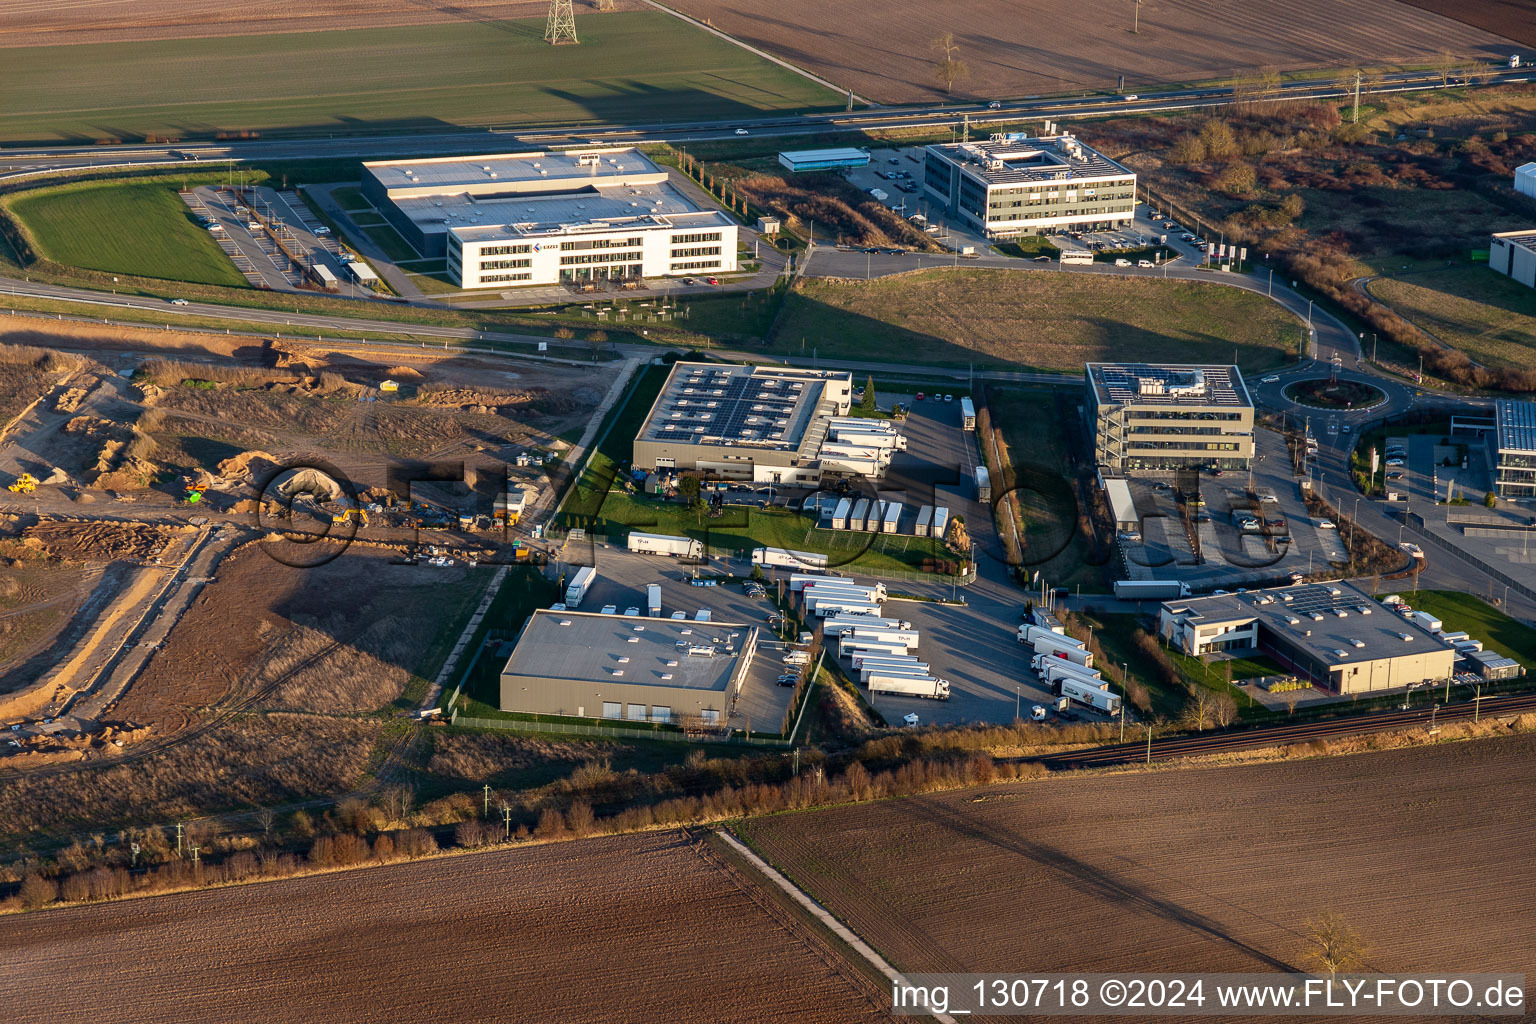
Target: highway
x=24, y=160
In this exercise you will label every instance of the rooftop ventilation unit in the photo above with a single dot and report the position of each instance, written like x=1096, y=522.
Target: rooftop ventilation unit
x=1407, y=637
x=624, y=660
x=565, y=622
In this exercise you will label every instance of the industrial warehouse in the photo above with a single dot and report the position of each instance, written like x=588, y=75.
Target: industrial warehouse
x=1014, y=185
x=546, y=218
x=1513, y=448
x=766, y=424
x=1333, y=634
x=1168, y=417
x=630, y=667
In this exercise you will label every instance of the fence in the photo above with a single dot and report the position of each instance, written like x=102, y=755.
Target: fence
x=581, y=729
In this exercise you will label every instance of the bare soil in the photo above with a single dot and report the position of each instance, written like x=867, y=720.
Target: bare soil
x=1511, y=18
x=638, y=928
x=55, y=22
x=883, y=49
x=98, y=541
x=1424, y=852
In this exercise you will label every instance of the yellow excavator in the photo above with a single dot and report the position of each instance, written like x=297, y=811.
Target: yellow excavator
x=25, y=484
x=345, y=516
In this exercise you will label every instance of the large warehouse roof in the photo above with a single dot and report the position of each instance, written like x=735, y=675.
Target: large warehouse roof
x=1336, y=623
x=1516, y=425
x=634, y=650
x=1176, y=384
x=510, y=171
x=741, y=406
x=1015, y=159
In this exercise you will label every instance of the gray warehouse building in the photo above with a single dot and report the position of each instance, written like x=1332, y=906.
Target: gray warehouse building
x=1513, y=447
x=1333, y=634
x=1014, y=185
x=1167, y=417
x=633, y=668
x=760, y=423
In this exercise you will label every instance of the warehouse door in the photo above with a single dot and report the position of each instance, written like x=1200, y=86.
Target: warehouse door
x=613, y=709
x=637, y=712
x=661, y=713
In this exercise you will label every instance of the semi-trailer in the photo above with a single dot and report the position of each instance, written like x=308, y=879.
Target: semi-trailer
x=841, y=606
x=836, y=585
x=967, y=414
x=854, y=642
x=859, y=657
x=870, y=669
x=1053, y=670
x=983, y=484
x=840, y=514
x=837, y=626
x=934, y=689
x=892, y=517
x=653, y=600
x=1091, y=696
x=1063, y=647
x=924, y=521
x=579, y=585
x=789, y=559
x=1029, y=631
x=887, y=635
x=660, y=544
x=859, y=515
x=1150, y=590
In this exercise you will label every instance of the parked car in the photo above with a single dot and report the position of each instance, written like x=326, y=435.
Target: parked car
x=1396, y=462
x=741, y=131
x=712, y=280
x=949, y=398
x=919, y=396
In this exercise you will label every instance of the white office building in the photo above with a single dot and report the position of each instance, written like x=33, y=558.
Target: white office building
x=1014, y=185
x=547, y=218
x=1513, y=254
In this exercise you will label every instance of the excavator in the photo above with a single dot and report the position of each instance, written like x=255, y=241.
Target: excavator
x=25, y=484
x=345, y=516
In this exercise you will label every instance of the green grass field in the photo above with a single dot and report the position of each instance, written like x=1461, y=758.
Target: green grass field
x=138, y=229
x=1497, y=631
x=1048, y=321
x=632, y=66
x=1486, y=315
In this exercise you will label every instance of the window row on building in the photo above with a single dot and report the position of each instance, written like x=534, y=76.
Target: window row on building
x=601, y=243
x=500, y=250
x=696, y=265
x=599, y=257
x=699, y=236
x=698, y=250
x=524, y=276
x=505, y=264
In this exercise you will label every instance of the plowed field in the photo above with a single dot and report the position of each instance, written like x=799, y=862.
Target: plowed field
x=1426, y=853
x=641, y=928
x=882, y=49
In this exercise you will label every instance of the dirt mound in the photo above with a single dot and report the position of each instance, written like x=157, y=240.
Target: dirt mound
x=97, y=542
x=404, y=373
x=247, y=466
x=69, y=401
x=310, y=481
x=479, y=401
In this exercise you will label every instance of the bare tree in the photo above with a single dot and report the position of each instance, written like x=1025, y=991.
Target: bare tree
x=1198, y=708
x=948, y=68
x=1444, y=66
x=1225, y=710
x=1291, y=698
x=1333, y=945
x=266, y=817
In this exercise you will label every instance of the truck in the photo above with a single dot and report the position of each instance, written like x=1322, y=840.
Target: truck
x=967, y=414
x=892, y=517
x=1057, y=646
x=836, y=585
x=872, y=667
x=660, y=544
x=1150, y=590
x=653, y=600
x=983, y=484
x=1028, y=632
x=924, y=521
x=849, y=646
x=579, y=585
x=788, y=559
x=1092, y=696
x=1053, y=670
x=1427, y=620
x=890, y=636
x=841, y=606
x=860, y=513
x=840, y=513
x=841, y=624
x=910, y=686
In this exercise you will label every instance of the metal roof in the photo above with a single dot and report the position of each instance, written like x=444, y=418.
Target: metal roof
x=1015, y=159
x=591, y=647
x=1172, y=384
x=742, y=406
x=1516, y=425
x=552, y=213
x=805, y=156
x=449, y=174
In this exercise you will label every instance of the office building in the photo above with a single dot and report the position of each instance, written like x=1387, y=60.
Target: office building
x=629, y=667
x=1162, y=418
x=765, y=424
x=823, y=159
x=1014, y=185
x=548, y=218
x=1332, y=634
x=1514, y=448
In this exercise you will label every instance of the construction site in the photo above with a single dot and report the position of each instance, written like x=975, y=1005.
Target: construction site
x=198, y=528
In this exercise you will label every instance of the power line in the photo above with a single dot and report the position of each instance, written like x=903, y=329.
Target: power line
x=561, y=26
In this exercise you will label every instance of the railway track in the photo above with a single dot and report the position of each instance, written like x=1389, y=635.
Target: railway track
x=1282, y=735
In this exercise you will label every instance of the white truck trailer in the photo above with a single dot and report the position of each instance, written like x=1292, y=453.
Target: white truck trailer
x=1092, y=696
x=829, y=606
x=1052, y=671
x=849, y=646
x=924, y=521
x=848, y=623
x=892, y=518
x=653, y=600
x=1063, y=647
x=983, y=484
x=967, y=414
x=1029, y=631
x=660, y=544
x=940, y=524
x=910, y=686
x=788, y=559
x=886, y=635
x=1150, y=590
x=872, y=667
x=859, y=514
x=840, y=513
x=579, y=585
x=836, y=585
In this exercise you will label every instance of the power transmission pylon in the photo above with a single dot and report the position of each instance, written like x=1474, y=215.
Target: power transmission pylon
x=561, y=27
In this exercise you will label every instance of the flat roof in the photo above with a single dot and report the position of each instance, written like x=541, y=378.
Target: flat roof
x=1174, y=384
x=1016, y=159
x=475, y=218
x=836, y=153
x=511, y=170
x=1525, y=239
x=1121, y=505
x=1346, y=625
x=591, y=647
x=730, y=405
x=1516, y=425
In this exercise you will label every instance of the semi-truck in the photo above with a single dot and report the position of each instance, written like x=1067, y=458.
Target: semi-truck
x=1092, y=696
x=967, y=414
x=653, y=600
x=579, y=585
x=1052, y=671
x=983, y=484
x=858, y=654
x=660, y=544
x=810, y=585
x=1149, y=590
x=871, y=668
x=847, y=604
x=848, y=648
x=910, y=686
x=788, y=559
x=887, y=635
x=841, y=624
x=1029, y=631
x=1064, y=648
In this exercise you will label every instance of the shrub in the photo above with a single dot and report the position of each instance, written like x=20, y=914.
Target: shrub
x=37, y=891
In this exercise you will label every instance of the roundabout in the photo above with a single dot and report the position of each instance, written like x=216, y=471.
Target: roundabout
x=1338, y=395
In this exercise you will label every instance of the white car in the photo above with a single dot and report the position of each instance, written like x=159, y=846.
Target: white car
x=178, y=302
x=910, y=720
x=1271, y=380
x=1326, y=524
x=995, y=105
x=1144, y=264
x=949, y=398
x=1122, y=263
x=1396, y=462
x=741, y=131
